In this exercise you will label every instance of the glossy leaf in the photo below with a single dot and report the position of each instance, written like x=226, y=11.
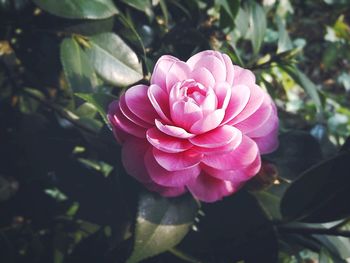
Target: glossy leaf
x=284, y=42
x=306, y=84
x=233, y=229
x=114, y=60
x=92, y=9
x=161, y=224
x=99, y=100
x=79, y=74
x=141, y=5
x=318, y=194
x=292, y=145
x=257, y=24
x=229, y=8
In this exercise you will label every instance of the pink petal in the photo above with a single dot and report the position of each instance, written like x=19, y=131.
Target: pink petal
x=239, y=158
x=218, y=137
x=160, y=101
x=121, y=122
x=240, y=96
x=203, y=76
x=221, y=149
x=265, y=125
x=209, y=122
x=192, y=61
x=179, y=71
x=209, y=189
x=173, y=130
x=230, y=71
x=223, y=94
x=129, y=115
x=236, y=176
x=161, y=69
x=177, y=161
x=167, y=143
x=119, y=134
x=133, y=153
x=166, y=178
x=257, y=97
x=166, y=191
x=137, y=101
x=269, y=142
x=214, y=65
x=243, y=76
x=256, y=120
x=210, y=103
x=184, y=114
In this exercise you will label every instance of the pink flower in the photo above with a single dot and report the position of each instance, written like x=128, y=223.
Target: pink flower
x=200, y=126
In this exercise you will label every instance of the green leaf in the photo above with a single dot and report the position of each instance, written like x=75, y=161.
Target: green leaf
x=257, y=25
x=77, y=69
x=114, y=60
x=305, y=83
x=99, y=166
x=79, y=9
x=100, y=101
x=292, y=145
x=233, y=229
x=141, y=5
x=318, y=194
x=230, y=8
x=161, y=224
x=284, y=42
x=86, y=110
x=270, y=200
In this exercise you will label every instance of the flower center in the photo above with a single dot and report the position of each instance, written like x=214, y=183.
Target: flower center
x=196, y=92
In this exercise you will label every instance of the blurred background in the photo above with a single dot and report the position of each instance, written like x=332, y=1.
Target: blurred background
x=64, y=196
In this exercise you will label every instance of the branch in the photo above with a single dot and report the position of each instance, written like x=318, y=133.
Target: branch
x=68, y=115
x=313, y=231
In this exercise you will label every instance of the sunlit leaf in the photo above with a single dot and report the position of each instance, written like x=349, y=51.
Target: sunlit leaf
x=161, y=224
x=77, y=69
x=99, y=100
x=257, y=25
x=92, y=9
x=114, y=60
x=305, y=83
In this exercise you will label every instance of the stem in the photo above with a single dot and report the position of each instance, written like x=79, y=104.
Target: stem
x=313, y=231
x=68, y=115
x=180, y=254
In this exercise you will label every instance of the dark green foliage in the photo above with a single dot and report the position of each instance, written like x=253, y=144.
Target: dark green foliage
x=64, y=195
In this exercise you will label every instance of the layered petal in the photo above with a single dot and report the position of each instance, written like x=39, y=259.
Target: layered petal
x=241, y=157
x=211, y=63
x=210, y=189
x=184, y=114
x=218, y=137
x=119, y=121
x=243, y=76
x=178, y=72
x=131, y=116
x=138, y=102
x=160, y=101
x=269, y=142
x=173, y=131
x=167, y=143
x=161, y=70
x=239, y=98
x=177, y=161
x=203, y=76
x=168, y=178
x=208, y=123
x=133, y=152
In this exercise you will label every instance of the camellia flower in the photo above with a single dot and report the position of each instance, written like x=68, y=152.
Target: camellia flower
x=200, y=126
